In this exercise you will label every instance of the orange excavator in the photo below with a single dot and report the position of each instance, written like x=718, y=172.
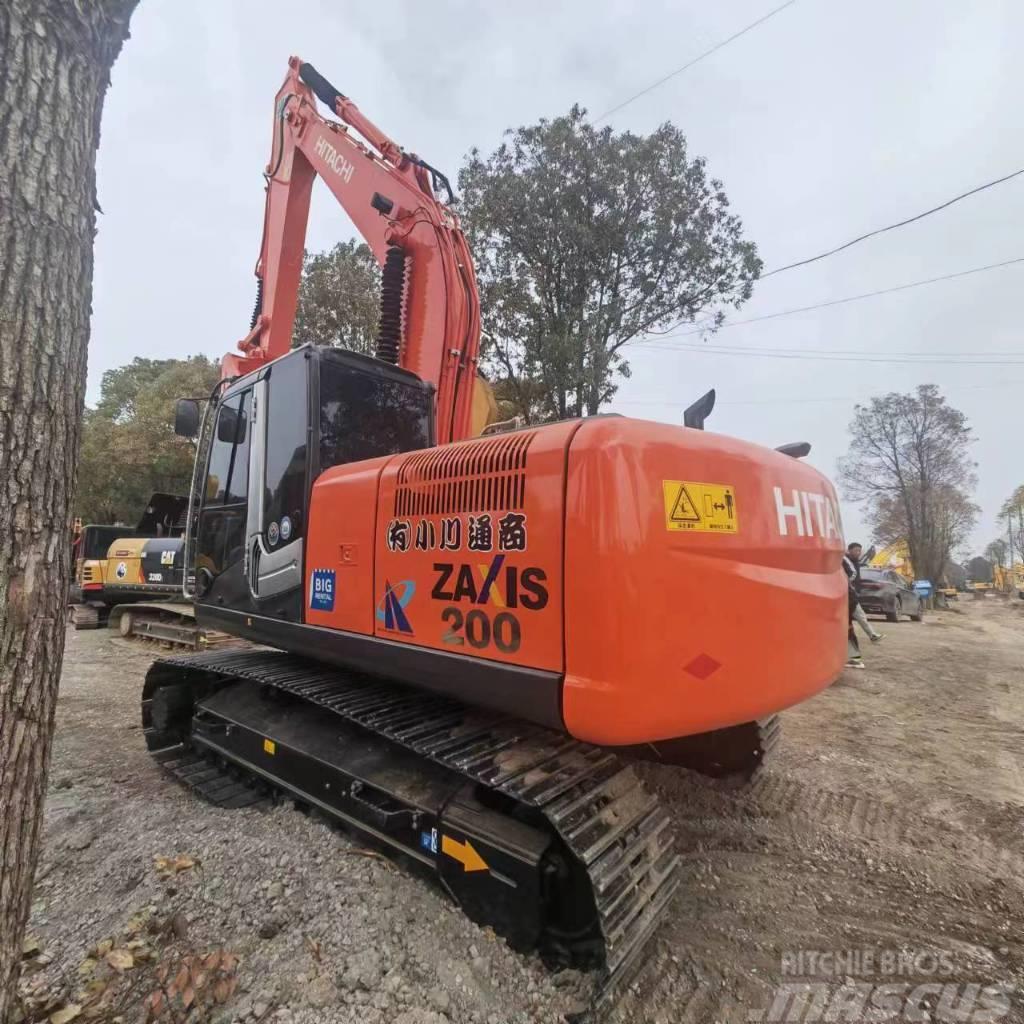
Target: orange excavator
x=476, y=638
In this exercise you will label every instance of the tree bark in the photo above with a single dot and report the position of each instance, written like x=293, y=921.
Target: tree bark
x=55, y=60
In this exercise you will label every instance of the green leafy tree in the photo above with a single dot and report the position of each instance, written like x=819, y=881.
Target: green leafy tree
x=129, y=448
x=909, y=464
x=980, y=569
x=996, y=551
x=586, y=239
x=339, y=298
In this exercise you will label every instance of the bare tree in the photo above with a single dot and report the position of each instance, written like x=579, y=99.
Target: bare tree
x=55, y=61
x=909, y=464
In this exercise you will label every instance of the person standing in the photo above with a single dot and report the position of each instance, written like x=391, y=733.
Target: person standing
x=853, y=655
x=851, y=563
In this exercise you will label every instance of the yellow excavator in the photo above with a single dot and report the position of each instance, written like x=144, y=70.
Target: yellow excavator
x=1009, y=581
x=895, y=557
x=120, y=565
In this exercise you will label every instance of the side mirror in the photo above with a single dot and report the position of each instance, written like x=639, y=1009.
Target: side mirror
x=231, y=425
x=186, y=418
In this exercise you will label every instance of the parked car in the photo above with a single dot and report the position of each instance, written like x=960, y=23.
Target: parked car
x=884, y=592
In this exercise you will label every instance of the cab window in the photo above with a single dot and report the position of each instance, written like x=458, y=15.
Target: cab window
x=287, y=424
x=364, y=415
x=227, y=477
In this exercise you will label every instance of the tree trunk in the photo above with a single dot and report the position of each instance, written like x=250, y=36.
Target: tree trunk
x=55, y=60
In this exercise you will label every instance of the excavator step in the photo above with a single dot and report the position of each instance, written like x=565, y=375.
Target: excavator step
x=528, y=788
x=213, y=783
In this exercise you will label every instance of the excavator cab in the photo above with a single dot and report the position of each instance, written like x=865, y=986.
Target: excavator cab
x=270, y=435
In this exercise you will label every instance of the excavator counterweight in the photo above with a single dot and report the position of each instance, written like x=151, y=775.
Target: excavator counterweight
x=476, y=636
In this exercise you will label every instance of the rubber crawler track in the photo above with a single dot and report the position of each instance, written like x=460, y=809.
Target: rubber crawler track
x=616, y=828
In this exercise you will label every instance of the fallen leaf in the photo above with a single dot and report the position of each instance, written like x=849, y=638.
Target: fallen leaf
x=183, y=863
x=140, y=922
x=154, y=1005
x=31, y=946
x=87, y=966
x=188, y=997
x=222, y=990
x=120, y=959
x=181, y=980
x=360, y=852
x=69, y=1013
x=104, y=947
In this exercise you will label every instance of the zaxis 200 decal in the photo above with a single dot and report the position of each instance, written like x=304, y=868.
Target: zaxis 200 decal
x=495, y=584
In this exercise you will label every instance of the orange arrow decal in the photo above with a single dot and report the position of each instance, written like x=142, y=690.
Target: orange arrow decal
x=465, y=853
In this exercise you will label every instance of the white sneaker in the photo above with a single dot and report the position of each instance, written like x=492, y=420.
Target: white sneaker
x=855, y=663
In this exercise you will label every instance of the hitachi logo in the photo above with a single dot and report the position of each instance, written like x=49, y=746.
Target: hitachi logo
x=805, y=511
x=334, y=159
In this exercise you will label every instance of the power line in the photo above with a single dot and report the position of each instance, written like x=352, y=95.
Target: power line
x=827, y=358
x=842, y=355
x=803, y=400
x=686, y=347
x=839, y=302
x=687, y=66
x=892, y=227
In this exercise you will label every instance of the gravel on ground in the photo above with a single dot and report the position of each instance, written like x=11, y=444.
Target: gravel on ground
x=890, y=819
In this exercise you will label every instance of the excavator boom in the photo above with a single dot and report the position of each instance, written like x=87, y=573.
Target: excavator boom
x=430, y=310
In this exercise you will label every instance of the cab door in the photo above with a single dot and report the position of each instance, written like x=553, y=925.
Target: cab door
x=278, y=488
x=223, y=512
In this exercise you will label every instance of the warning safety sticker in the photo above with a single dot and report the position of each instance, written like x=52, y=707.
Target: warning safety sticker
x=691, y=505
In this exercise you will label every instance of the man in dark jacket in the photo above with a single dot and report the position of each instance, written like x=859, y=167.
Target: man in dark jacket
x=851, y=563
x=853, y=656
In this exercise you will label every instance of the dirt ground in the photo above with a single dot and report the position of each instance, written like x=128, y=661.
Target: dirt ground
x=890, y=821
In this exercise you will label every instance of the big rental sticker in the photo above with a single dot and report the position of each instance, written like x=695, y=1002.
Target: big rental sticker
x=695, y=505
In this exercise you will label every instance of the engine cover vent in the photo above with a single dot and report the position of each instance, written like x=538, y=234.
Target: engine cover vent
x=478, y=476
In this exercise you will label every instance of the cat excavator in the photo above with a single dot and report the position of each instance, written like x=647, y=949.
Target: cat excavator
x=467, y=644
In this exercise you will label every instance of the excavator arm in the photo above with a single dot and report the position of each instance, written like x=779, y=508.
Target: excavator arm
x=430, y=311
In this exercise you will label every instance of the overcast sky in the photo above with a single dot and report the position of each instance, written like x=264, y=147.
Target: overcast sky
x=826, y=121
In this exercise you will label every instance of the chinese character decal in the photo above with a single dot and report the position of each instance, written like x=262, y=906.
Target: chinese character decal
x=451, y=534
x=512, y=532
x=398, y=535
x=426, y=535
x=480, y=536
